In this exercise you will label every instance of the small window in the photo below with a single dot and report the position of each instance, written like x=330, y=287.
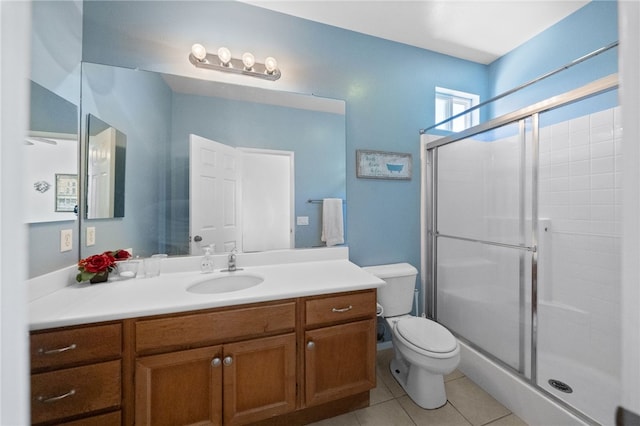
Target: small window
x=452, y=102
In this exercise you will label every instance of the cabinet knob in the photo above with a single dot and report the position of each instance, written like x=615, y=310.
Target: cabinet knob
x=311, y=345
x=216, y=362
x=228, y=360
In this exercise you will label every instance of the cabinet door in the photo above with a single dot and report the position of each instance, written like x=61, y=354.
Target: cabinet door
x=179, y=388
x=259, y=379
x=339, y=361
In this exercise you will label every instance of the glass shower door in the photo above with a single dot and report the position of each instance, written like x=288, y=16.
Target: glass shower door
x=483, y=240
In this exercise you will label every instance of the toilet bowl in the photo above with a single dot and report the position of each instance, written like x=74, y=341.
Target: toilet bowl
x=424, y=351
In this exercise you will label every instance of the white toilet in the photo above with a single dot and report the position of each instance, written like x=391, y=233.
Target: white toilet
x=424, y=350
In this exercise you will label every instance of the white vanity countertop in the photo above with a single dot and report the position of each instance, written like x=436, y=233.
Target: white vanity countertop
x=84, y=303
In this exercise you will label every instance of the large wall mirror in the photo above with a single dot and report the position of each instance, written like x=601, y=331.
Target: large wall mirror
x=160, y=113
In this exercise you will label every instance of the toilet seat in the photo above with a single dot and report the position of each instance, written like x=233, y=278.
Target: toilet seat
x=426, y=336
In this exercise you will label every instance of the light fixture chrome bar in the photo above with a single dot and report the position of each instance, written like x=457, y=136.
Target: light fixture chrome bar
x=236, y=66
x=489, y=243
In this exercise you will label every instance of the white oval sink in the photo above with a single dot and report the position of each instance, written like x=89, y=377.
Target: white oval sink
x=225, y=283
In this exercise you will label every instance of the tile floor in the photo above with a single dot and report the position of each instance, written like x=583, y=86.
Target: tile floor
x=467, y=405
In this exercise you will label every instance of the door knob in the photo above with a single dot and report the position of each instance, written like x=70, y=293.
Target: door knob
x=216, y=362
x=228, y=360
x=311, y=345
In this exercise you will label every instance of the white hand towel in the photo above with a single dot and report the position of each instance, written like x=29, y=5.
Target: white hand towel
x=332, y=222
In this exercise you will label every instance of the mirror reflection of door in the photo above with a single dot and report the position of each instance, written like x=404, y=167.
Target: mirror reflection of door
x=240, y=198
x=106, y=158
x=101, y=174
x=213, y=196
x=267, y=199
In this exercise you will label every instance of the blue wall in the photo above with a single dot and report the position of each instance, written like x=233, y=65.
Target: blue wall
x=388, y=87
x=590, y=28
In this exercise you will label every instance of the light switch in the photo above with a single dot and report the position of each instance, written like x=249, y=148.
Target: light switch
x=91, y=235
x=302, y=220
x=66, y=240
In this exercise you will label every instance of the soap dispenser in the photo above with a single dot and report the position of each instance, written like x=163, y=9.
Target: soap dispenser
x=207, y=261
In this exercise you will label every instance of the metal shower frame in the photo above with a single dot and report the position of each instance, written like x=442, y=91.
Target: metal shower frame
x=429, y=219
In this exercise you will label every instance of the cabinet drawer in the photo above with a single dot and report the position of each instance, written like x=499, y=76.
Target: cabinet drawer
x=72, y=391
x=214, y=327
x=60, y=348
x=340, y=308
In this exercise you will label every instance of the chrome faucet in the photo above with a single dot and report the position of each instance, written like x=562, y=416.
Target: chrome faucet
x=231, y=262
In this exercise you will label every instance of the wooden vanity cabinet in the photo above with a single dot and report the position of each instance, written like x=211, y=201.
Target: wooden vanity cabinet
x=76, y=375
x=340, y=346
x=283, y=362
x=243, y=379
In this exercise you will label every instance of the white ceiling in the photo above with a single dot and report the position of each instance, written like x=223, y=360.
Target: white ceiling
x=477, y=30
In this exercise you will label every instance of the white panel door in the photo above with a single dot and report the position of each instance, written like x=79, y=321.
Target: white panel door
x=102, y=176
x=214, y=186
x=267, y=199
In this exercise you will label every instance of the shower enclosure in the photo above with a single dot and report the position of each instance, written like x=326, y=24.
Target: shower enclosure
x=522, y=234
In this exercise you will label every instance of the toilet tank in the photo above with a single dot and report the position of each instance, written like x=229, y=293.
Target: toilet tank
x=396, y=297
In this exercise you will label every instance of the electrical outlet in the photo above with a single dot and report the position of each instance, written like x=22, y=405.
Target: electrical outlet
x=66, y=240
x=302, y=220
x=91, y=235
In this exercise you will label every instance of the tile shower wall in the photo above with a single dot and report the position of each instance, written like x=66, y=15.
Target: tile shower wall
x=580, y=195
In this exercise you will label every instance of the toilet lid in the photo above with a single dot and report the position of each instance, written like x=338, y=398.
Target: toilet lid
x=426, y=334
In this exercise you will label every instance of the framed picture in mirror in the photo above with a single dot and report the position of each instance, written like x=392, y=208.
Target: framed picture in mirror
x=66, y=192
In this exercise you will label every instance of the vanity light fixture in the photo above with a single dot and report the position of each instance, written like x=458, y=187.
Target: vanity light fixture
x=224, y=62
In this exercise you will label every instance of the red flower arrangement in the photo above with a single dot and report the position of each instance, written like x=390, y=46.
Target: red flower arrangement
x=97, y=267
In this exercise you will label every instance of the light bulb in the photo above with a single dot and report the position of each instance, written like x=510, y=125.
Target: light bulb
x=198, y=51
x=225, y=56
x=271, y=64
x=248, y=60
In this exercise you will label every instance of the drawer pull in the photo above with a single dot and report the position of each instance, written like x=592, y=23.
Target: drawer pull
x=46, y=400
x=348, y=308
x=228, y=360
x=311, y=345
x=41, y=351
x=216, y=362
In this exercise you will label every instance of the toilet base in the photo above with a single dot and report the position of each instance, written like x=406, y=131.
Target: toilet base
x=424, y=388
